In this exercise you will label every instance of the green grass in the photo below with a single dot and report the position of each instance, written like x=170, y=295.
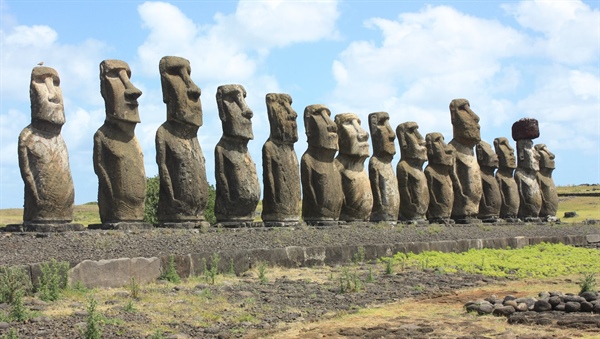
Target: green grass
x=578, y=189
x=539, y=261
x=585, y=207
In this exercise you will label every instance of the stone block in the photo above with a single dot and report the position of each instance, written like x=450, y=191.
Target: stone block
x=339, y=254
x=518, y=242
x=116, y=272
x=526, y=128
x=445, y=246
x=417, y=247
x=592, y=238
x=314, y=256
x=183, y=264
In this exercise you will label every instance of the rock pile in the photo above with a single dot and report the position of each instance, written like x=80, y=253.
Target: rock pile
x=546, y=301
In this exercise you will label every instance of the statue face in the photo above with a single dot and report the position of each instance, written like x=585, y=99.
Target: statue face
x=546, y=157
x=412, y=144
x=180, y=93
x=382, y=134
x=352, y=138
x=321, y=131
x=46, y=96
x=506, y=154
x=485, y=156
x=234, y=112
x=529, y=158
x=282, y=118
x=438, y=152
x=465, y=123
x=120, y=95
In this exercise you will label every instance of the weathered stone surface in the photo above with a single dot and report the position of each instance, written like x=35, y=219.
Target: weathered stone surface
x=237, y=189
x=572, y=306
x=322, y=194
x=118, y=158
x=183, y=184
x=525, y=128
x=503, y=311
x=439, y=182
x=43, y=156
x=530, y=202
x=281, y=172
x=542, y=306
x=115, y=272
x=546, y=183
x=466, y=175
x=412, y=184
x=506, y=182
x=353, y=143
x=384, y=183
x=491, y=199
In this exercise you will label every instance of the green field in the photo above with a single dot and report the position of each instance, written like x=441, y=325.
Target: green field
x=586, y=207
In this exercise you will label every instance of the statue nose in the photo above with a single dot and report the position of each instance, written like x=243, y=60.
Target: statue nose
x=132, y=93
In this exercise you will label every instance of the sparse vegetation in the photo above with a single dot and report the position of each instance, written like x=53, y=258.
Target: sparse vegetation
x=134, y=288
x=53, y=279
x=18, y=312
x=93, y=328
x=262, y=272
x=588, y=283
x=210, y=274
x=170, y=274
x=13, y=280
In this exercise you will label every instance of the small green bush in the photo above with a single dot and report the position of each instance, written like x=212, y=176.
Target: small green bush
x=93, y=329
x=170, y=274
x=588, y=283
x=12, y=281
x=18, y=312
x=53, y=279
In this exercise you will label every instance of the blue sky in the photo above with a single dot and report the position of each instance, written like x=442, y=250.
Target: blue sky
x=510, y=59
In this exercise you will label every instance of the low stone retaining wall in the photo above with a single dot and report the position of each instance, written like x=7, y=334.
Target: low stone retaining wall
x=118, y=272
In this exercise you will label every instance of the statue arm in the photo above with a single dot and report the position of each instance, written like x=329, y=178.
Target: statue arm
x=430, y=185
x=307, y=181
x=25, y=168
x=269, y=179
x=221, y=176
x=376, y=186
x=99, y=168
x=165, y=177
x=457, y=187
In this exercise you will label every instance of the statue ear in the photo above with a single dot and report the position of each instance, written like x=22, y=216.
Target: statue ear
x=220, y=105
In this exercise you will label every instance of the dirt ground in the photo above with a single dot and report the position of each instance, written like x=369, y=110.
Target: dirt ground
x=355, y=301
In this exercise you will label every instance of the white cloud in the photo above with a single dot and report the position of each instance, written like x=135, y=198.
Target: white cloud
x=570, y=28
x=232, y=49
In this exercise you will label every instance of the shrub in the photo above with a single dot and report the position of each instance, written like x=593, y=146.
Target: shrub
x=588, y=283
x=170, y=274
x=53, y=279
x=12, y=281
x=93, y=329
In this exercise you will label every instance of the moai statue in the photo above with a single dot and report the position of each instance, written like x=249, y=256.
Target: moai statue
x=504, y=176
x=412, y=184
x=281, y=172
x=353, y=143
x=384, y=184
x=238, y=189
x=547, y=187
x=530, y=202
x=322, y=194
x=440, y=158
x=44, y=160
x=491, y=199
x=183, y=186
x=466, y=175
x=118, y=158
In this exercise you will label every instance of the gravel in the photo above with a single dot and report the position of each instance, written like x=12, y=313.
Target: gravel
x=25, y=248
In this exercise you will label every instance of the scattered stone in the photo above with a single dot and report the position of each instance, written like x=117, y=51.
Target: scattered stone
x=542, y=306
x=503, y=311
x=586, y=306
x=570, y=214
x=589, y=296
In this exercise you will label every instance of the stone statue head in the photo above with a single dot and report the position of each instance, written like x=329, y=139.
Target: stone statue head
x=321, y=131
x=180, y=93
x=506, y=154
x=282, y=118
x=234, y=112
x=46, y=96
x=465, y=123
x=438, y=152
x=546, y=157
x=412, y=144
x=352, y=138
x=382, y=134
x=528, y=156
x=120, y=95
x=486, y=157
